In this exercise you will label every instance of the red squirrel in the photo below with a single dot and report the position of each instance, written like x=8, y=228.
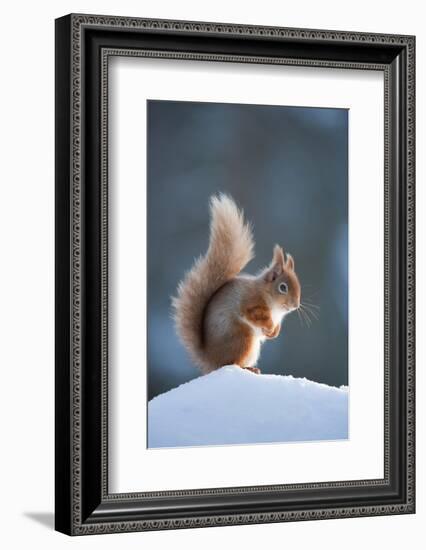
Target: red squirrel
x=222, y=315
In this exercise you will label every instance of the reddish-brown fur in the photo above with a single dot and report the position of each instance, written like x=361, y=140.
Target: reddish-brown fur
x=242, y=345
x=260, y=315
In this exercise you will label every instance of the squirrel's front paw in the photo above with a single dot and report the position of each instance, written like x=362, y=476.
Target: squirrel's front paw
x=272, y=333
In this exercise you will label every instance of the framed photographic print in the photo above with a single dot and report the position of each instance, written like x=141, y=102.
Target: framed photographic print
x=234, y=274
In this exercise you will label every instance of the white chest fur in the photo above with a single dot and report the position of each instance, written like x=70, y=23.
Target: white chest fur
x=253, y=357
x=259, y=337
x=278, y=315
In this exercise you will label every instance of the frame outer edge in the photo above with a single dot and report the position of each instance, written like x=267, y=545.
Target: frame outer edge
x=77, y=22
x=63, y=496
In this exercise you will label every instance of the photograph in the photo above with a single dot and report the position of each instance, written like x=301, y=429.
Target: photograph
x=247, y=262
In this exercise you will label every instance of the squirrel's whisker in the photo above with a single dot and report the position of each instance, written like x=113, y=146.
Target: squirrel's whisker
x=308, y=312
x=313, y=307
x=305, y=318
x=311, y=312
x=309, y=303
x=313, y=315
x=310, y=297
x=301, y=318
x=305, y=315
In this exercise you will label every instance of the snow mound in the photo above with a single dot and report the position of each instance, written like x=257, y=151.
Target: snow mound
x=234, y=406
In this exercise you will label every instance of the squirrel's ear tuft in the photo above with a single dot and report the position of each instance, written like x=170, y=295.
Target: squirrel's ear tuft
x=277, y=265
x=278, y=257
x=290, y=262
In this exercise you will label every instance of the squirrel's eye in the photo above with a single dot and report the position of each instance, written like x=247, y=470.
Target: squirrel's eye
x=283, y=288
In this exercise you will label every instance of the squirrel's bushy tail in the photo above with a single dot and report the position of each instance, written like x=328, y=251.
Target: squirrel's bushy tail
x=230, y=249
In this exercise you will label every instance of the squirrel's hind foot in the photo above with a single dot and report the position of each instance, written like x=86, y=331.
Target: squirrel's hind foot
x=253, y=369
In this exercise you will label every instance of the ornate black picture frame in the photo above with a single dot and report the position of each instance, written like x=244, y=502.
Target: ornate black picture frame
x=83, y=45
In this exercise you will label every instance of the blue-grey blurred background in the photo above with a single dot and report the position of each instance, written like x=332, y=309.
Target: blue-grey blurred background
x=287, y=167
